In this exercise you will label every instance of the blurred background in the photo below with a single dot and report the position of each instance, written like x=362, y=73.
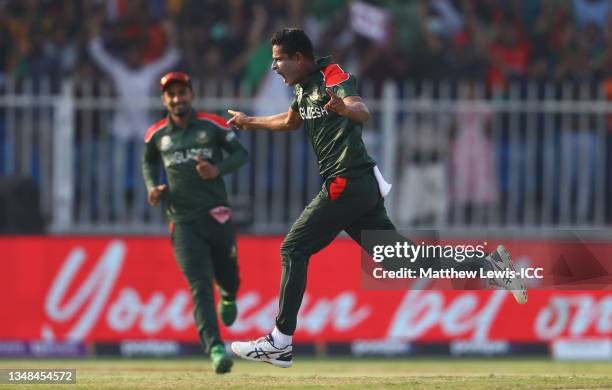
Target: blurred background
x=485, y=113
x=487, y=116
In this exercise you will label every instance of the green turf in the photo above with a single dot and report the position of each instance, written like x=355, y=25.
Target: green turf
x=329, y=374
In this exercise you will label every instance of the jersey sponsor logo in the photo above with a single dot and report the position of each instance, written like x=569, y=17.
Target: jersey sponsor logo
x=201, y=137
x=230, y=136
x=165, y=143
x=312, y=112
x=188, y=155
x=314, y=95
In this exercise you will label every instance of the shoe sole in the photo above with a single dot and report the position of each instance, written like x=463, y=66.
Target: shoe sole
x=224, y=366
x=275, y=363
x=518, y=289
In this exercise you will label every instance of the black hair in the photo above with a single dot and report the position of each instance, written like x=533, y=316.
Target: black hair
x=293, y=40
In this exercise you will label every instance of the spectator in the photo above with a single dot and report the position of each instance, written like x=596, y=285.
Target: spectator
x=578, y=168
x=583, y=56
x=498, y=40
x=62, y=50
x=425, y=39
x=5, y=46
x=475, y=188
x=394, y=57
x=597, y=12
x=444, y=19
x=608, y=92
x=454, y=52
x=509, y=56
x=133, y=82
x=423, y=188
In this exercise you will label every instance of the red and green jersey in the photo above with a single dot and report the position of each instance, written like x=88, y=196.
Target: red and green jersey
x=206, y=136
x=335, y=139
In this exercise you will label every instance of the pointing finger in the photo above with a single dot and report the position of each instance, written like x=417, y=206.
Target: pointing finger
x=233, y=118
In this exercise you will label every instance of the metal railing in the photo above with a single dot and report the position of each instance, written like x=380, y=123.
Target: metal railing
x=530, y=157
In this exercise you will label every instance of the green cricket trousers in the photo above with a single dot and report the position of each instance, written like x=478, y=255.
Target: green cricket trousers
x=349, y=204
x=205, y=251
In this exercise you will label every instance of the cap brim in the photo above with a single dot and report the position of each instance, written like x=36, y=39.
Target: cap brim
x=173, y=81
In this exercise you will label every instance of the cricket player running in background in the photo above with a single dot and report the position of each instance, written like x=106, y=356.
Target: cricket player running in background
x=190, y=146
x=327, y=103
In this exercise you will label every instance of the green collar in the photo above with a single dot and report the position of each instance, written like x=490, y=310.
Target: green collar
x=323, y=62
x=319, y=64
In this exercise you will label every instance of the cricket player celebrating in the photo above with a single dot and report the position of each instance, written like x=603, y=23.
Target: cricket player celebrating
x=327, y=103
x=190, y=146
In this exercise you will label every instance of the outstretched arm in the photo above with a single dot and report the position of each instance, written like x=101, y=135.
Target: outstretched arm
x=98, y=53
x=237, y=155
x=286, y=121
x=171, y=55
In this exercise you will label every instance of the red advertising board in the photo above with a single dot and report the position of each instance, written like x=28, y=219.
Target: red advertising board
x=112, y=289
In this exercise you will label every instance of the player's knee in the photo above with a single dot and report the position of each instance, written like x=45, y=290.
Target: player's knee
x=286, y=248
x=201, y=289
x=292, y=253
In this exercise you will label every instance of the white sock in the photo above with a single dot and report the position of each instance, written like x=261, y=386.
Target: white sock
x=281, y=340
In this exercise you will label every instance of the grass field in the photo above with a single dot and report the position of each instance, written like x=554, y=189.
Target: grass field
x=329, y=374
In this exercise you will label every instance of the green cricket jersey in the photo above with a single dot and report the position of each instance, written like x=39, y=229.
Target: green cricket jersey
x=206, y=136
x=335, y=139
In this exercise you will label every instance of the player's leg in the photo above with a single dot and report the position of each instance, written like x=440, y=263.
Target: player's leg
x=332, y=210
x=377, y=219
x=225, y=266
x=193, y=255
x=337, y=205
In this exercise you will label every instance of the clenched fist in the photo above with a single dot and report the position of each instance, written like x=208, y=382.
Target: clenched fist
x=206, y=170
x=155, y=194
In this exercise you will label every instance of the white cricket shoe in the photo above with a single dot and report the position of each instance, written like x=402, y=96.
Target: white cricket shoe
x=500, y=260
x=263, y=350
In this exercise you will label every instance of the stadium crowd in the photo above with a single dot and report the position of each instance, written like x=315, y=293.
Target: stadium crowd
x=417, y=39
x=130, y=42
